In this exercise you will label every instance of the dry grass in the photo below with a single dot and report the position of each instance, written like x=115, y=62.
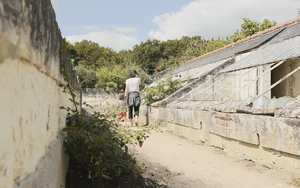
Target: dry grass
x=296, y=182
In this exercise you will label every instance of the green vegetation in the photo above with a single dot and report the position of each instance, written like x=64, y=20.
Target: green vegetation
x=296, y=182
x=95, y=141
x=102, y=67
x=87, y=77
x=250, y=27
x=165, y=88
x=100, y=146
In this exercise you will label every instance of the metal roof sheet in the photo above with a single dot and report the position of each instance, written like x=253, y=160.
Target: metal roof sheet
x=268, y=53
x=287, y=33
x=227, y=53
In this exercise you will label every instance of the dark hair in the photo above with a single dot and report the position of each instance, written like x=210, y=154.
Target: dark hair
x=133, y=74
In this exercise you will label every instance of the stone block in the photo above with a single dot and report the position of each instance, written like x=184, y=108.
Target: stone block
x=282, y=134
x=240, y=127
x=215, y=141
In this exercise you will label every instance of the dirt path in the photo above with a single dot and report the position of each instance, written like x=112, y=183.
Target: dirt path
x=196, y=165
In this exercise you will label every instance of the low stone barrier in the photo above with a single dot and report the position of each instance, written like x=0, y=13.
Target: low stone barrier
x=100, y=99
x=269, y=140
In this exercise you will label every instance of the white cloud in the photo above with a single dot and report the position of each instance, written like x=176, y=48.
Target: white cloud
x=55, y=4
x=213, y=18
x=116, y=41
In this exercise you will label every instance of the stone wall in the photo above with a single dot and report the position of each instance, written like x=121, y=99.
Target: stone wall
x=31, y=151
x=269, y=140
x=100, y=99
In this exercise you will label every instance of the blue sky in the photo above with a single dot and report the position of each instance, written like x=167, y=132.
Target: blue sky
x=121, y=24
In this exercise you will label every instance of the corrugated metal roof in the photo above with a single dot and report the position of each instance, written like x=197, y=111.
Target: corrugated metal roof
x=268, y=53
x=287, y=33
x=198, y=71
x=227, y=53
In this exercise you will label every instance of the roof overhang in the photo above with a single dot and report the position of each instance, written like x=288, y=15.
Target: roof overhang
x=268, y=54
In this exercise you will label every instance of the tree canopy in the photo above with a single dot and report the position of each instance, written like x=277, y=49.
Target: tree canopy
x=249, y=27
x=103, y=67
x=93, y=56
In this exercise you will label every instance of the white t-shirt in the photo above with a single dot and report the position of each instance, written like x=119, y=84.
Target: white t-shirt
x=122, y=103
x=133, y=84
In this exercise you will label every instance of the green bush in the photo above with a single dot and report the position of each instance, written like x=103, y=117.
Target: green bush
x=95, y=141
x=111, y=78
x=165, y=87
x=116, y=76
x=100, y=146
x=86, y=77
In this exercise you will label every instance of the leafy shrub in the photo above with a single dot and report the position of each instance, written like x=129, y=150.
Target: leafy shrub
x=165, y=87
x=115, y=76
x=168, y=64
x=249, y=27
x=95, y=141
x=99, y=145
x=86, y=77
x=111, y=78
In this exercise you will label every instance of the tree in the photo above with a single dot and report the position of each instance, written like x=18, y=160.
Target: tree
x=148, y=54
x=151, y=54
x=92, y=56
x=172, y=48
x=266, y=24
x=196, y=46
x=111, y=78
x=87, y=78
x=249, y=27
x=72, y=52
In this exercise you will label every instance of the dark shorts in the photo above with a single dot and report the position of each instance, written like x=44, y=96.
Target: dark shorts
x=134, y=102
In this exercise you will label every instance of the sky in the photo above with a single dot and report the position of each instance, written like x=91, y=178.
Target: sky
x=121, y=24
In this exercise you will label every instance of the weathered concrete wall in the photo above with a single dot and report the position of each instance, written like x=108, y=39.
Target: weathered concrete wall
x=144, y=117
x=100, y=99
x=272, y=141
x=31, y=150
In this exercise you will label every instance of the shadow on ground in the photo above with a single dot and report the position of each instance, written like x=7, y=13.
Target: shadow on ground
x=77, y=177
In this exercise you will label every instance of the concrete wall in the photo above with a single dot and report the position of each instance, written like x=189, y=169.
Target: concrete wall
x=271, y=141
x=100, y=99
x=31, y=150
